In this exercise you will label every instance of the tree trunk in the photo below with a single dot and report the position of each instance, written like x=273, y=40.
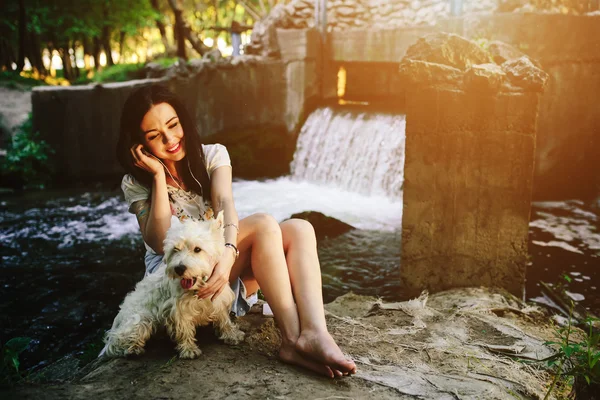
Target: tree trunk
x=121, y=43
x=184, y=31
x=66, y=60
x=22, y=35
x=7, y=54
x=50, y=68
x=161, y=28
x=87, y=52
x=35, y=54
x=96, y=53
x=105, y=40
x=75, y=73
x=179, y=28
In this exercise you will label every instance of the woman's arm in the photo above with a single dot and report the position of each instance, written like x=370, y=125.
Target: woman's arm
x=154, y=216
x=222, y=199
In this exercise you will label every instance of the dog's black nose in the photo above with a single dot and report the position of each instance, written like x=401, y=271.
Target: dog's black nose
x=180, y=269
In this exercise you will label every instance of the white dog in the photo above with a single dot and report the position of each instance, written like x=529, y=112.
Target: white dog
x=167, y=295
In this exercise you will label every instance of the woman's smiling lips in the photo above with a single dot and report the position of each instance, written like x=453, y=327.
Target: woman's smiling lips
x=175, y=148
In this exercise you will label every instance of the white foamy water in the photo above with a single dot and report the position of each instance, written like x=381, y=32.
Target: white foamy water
x=362, y=152
x=67, y=226
x=109, y=220
x=284, y=196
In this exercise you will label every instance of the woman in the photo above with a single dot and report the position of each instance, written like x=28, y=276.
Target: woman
x=171, y=174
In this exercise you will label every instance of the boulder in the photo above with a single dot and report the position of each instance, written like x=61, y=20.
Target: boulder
x=502, y=52
x=213, y=55
x=524, y=74
x=325, y=227
x=422, y=348
x=484, y=77
x=415, y=72
x=154, y=70
x=447, y=49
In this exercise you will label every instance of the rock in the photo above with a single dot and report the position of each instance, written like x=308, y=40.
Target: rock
x=502, y=52
x=154, y=70
x=178, y=69
x=522, y=73
x=484, y=77
x=419, y=73
x=213, y=55
x=325, y=227
x=196, y=65
x=447, y=49
x=410, y=349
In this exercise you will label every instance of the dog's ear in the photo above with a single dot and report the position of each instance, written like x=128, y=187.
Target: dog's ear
x=219, y=220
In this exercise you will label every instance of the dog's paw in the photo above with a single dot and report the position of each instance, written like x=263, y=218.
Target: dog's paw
x=233, y=337
x=189, y=352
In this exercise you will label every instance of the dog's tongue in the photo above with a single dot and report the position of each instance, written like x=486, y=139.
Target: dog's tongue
x=187, y=283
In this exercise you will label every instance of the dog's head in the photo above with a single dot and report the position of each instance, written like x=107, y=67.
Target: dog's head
x=192, y=249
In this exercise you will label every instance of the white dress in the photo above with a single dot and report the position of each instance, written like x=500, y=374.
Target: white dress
x=187, y=205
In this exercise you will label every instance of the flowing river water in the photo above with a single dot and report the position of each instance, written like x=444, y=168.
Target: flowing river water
x=70, y=256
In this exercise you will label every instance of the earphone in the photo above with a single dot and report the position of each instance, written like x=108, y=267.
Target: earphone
x=174, y=180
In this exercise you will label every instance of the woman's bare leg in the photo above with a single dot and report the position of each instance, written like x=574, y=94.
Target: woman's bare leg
x=300, y=247
x=261, y=245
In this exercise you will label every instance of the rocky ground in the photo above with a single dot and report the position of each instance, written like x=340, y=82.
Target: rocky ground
x=459, y=344
x=15, y=105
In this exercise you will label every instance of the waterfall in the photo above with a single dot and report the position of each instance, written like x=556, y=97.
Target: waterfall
x=354, y=150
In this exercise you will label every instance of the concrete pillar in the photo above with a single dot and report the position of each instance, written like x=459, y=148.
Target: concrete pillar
x=467, y=189
x=301, y=55
x=468, y=174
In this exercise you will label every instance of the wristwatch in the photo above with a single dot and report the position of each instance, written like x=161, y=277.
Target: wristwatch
x=235, y=249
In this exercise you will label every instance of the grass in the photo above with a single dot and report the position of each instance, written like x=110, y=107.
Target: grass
x=114, y=73
x=9, y=367
x=19, y=81
x=165, y=62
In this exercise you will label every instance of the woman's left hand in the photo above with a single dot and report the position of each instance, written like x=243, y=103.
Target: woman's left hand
x=219, y=278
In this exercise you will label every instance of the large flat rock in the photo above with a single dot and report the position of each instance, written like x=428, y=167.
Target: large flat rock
x=450, y=345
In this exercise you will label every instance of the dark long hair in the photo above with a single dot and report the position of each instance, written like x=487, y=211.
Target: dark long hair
x=134, y=110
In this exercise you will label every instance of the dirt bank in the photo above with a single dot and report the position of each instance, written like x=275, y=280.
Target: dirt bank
x=452, y=345
x=15, y=105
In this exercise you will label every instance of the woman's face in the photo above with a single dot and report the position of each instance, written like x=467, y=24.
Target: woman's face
x=163, y=134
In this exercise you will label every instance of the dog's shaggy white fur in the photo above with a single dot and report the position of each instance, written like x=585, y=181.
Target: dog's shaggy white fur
x=167, y=296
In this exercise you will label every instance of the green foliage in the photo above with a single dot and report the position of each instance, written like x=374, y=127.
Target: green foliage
x=120, y=73
x=115, y=73
x=165, y=62
x=576, y=359
x=27, y=157
x=9, y=369
x=14, y=80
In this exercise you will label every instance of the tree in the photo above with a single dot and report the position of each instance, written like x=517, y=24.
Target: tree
x=161, y=27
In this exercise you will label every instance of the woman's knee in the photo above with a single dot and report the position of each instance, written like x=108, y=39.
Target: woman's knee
x=298, y=229
x=265, y=223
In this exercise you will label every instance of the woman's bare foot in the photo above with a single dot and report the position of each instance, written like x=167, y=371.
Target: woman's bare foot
x=288, y=354
x=321, y=347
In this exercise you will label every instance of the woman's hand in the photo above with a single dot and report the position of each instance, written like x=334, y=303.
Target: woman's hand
x=219, y=278
x=143, y=160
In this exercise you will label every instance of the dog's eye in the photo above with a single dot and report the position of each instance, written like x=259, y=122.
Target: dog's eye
x=175, y=249
x=197, y=249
